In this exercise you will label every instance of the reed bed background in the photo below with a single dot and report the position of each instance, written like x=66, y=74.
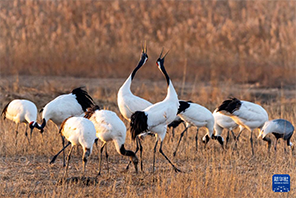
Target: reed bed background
x=239, y=41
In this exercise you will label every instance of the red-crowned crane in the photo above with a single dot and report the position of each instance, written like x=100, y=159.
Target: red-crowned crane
x=109, y=127
x=156, y=117
x=128, y=103
x=246, y=114
x=64, y=106
x=280, y=128
x=78, y=131
x=21, y=111
x=196, y=115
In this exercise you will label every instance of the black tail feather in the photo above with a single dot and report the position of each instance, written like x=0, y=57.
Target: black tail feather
x=138, y=123
x=230, y=105
x=4, y=111
x=83, y=98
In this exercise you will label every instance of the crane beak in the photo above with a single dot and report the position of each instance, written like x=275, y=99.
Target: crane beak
x=161, y=53
x=31, y=131
x=166, y=54
x=144, y=48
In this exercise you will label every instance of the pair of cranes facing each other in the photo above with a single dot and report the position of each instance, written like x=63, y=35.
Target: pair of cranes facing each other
x=137, y=110
x=144, y=117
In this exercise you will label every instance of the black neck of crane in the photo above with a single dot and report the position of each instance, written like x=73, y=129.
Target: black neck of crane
x=165, y=73
x=126, y=152
x=140, y=64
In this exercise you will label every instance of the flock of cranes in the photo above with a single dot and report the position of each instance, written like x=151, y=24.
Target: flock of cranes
x=82, y=122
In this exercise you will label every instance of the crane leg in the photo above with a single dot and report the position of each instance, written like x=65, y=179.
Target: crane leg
x=173, y=133
x=236, y=138
x=84, y=160
x=227, y=138
x=101, y=156
x=174, y=167
x=154, y=151
x=107, y=158
x=233, y=135
x=172, y=137
x=63, y=142
x=141, y=153
x=26, y=134
x=196, y=140
x=16, y=133
x=68, y=159
x=275, y=150
x=182, y=134
x=54, y=157
x=96, y=142
x=251, y=141
x=275, y=144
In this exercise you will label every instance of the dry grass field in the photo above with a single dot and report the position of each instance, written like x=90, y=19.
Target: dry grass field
x=218, y=49
x=209, y=172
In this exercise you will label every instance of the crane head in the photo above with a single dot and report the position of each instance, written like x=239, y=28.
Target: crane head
x=160, y=61
x=144, y=55
x=33, y=125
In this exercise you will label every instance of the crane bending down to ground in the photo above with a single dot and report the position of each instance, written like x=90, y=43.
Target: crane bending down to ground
x=109, y=127
x=21, y=111
x=246, y=114
x=280, y=128
x=65, y=106
x=196, y=115
x=78, y=130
